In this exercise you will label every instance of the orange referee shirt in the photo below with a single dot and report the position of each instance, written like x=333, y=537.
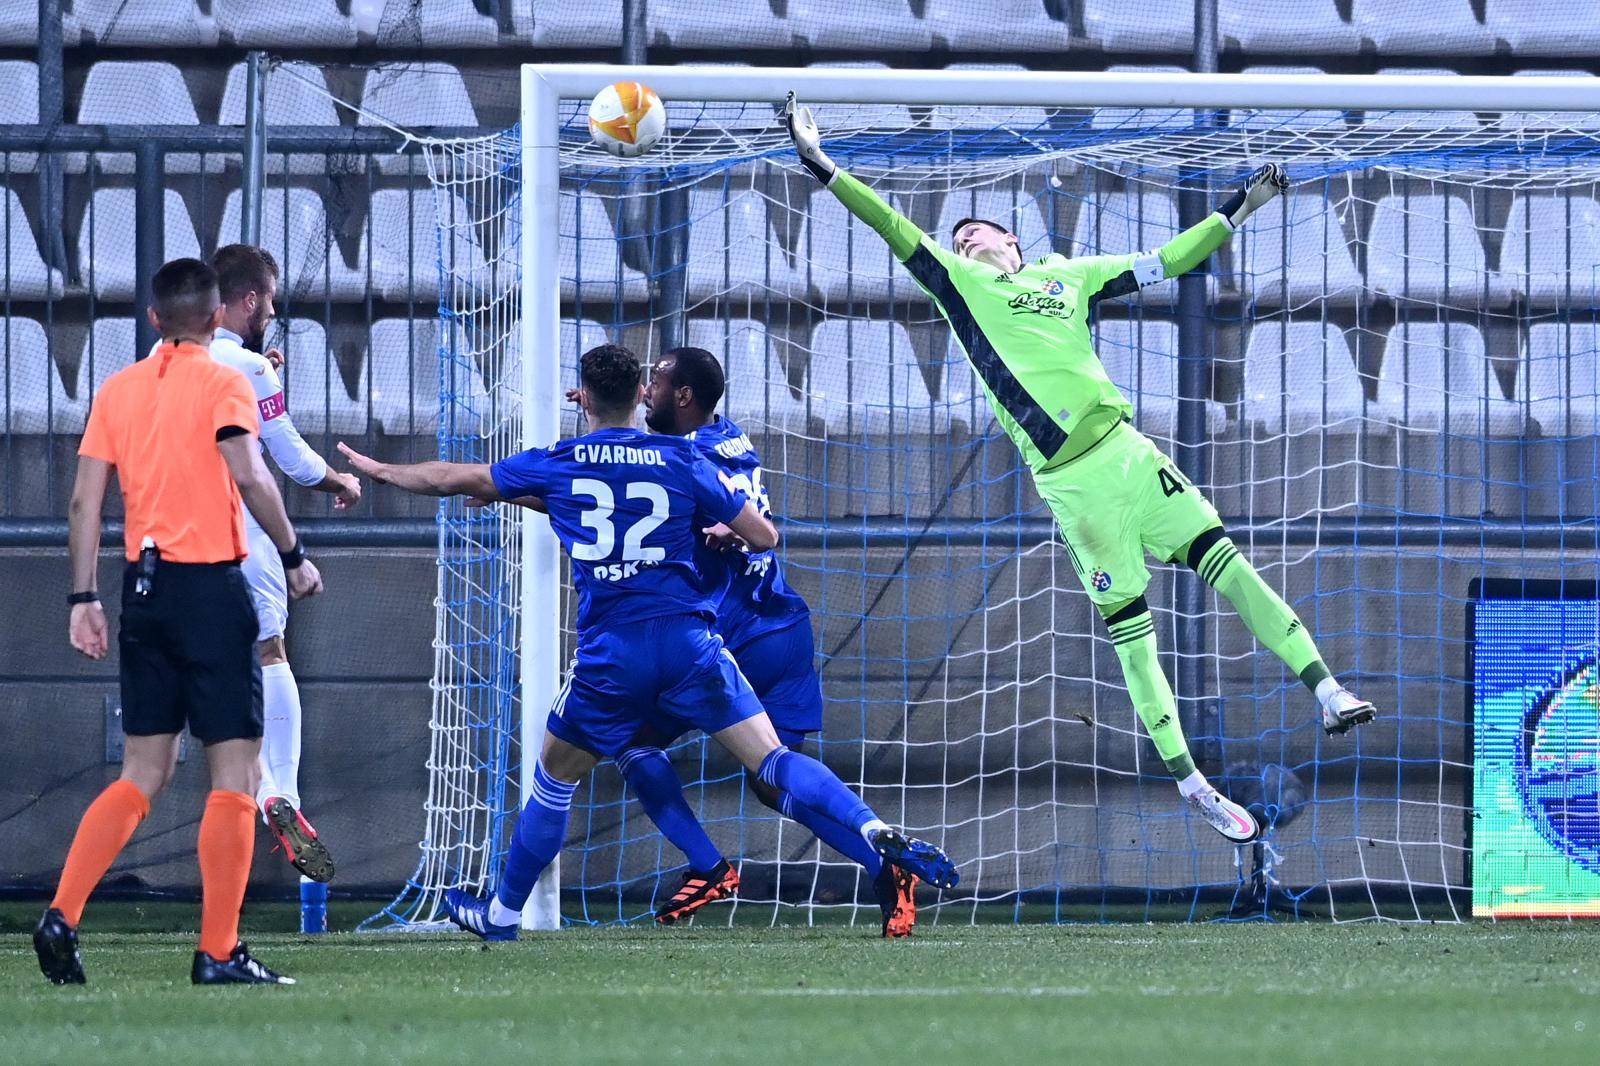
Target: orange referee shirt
x=156, y=422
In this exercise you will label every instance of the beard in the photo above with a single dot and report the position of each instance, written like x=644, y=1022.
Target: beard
x=659, y=419
x=256, y=337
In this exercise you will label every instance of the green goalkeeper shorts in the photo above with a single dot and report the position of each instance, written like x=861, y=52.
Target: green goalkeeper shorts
x=1118, y=500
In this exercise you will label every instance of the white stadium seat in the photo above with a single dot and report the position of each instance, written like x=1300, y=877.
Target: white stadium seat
x=1427, y=248
x=1141, y=121
x=1021, y=119
x=591, y=24
x=109, y=346
x=1436, y=376
x=1441, y=27
x=25, y=276
x=405, y=246
x=414, y=96
x=1551, y=251
x=1293, y=251
x=404, y=363
x=1141, y=359
x=294, y=229
x=301, y=24
x=590, y=256
x=758, y=394
x=887, y=25
x=105, y=253
x=1150, y=26
x=863, y=378
x=1123, y=222
x=1462, y=121
x=292, y=99
x=1561, y=380
x=433, y=24
x=577, y=337
x=1293, y=118
x=33, y=398
x=848, y=260
x=1011, y=26
x=686, y=24
x=1305, y=27
x=313, y=386
x=168, y=23
x=1545, y=27
x=740, y=256
x=139, y=93
x=1017, y=210
x=1299, y=375
x=19, y=106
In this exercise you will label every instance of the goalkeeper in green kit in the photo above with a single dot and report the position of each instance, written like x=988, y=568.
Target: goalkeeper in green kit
x=1025, y=329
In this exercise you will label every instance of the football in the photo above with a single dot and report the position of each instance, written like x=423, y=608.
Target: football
x=627, y=118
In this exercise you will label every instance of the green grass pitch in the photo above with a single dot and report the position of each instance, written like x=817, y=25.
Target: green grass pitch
x=1001, y=994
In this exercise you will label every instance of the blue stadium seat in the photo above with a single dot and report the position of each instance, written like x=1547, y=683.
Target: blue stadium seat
x=1300, y=376
x=863, y=378
x=405, y=364
x=294, y=228
x=1014, y=208
x=1560, y=382
x=167, y=23
x=1443, y=27
x=1437, y=376
x=690, y=24
x=105, y=250
x=591, y=24
x=741, y=257
x=1551, y=251
x=589, y=254
x=434, y=24
x=295, y=97
x=1308, y=27
x=1427, y=248
x=1561, y=28
x=25, y=276
x=319, y=402
x=413, y=96
x=32, y=396
x=1150, y=26
x=109, y=346
x=758, y=394
x=888, y=25
x=19, y=105
x=405, y=246
x=301, y=24
x=1015, y=27
x=1021, y=119
x=1293, y=251
x=139, y=93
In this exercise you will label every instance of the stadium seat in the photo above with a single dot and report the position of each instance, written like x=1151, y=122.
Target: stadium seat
x=1297, y=119
x=1551, y=251
x=1134, y=121
x=105, y=252
x=414, y=96
x=318, y=400
x=1152, y=26
x=139, y=93
x=1120, y=222
x=1010, y=26
x=405, y=246
x=1141, y=358
x=1310, y=27
x=295, y=97
x=1293, y=251
x=25, y=276
x=840, y=119
x=1436, y=376
x=167, y=23
x=302, y=24
x=19, y=106
x=1300, y=376
x=589, y=254
x=1016, y=209
x=32, y=396
x=109, y=346
x=744, y=260
x=1586, y=122
x=1560, y=380
x=1020, y=119
x=1561, y=28
x=683, y=24
x=592, y=24
x=758, y=394
x=686, y=114
x=432, y=24
x=1453, y=121
x=1445, y=27
x=1426, y=248
x=888, y=25
x=404, y=364
x=864, y=378
x=295, y=230
x=847, y=260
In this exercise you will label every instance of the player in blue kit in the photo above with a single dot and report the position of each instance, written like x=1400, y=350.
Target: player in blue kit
x=766, y=625
x=628, y=508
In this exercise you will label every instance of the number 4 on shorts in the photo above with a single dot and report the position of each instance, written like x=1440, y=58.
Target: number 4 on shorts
x=1172, y=480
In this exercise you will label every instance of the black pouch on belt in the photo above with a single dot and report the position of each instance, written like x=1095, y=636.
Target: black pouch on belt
x=145, y=575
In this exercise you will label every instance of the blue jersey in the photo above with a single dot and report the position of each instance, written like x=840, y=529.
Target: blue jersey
x=628, y=507
x=755, y=598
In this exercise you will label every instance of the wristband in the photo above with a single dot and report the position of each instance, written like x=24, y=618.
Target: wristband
x=294, y=556
x=75, y=598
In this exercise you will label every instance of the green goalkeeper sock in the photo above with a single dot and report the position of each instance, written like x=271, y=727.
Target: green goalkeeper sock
x=1133, y=634
x=1218, y=562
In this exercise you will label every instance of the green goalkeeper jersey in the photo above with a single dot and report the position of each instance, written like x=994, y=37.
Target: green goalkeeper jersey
x=1027, y=332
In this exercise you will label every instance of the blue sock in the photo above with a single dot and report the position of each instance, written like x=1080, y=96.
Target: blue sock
x=540, y=832
x=649, y=773
x=814, y=785
x=841, y=838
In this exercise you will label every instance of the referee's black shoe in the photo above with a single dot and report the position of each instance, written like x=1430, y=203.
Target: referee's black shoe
x=240, y=969
x=56, y=943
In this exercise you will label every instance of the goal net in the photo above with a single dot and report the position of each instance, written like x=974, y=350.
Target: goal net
x=1387, y=383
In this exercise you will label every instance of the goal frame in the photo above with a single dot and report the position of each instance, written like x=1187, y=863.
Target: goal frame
x=545, y=85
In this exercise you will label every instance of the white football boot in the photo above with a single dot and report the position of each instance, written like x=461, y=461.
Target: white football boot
x=1344, y=710
x=1225, y=816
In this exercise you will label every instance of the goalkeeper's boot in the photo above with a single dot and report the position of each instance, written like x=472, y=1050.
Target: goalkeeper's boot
x=472, y=914
x=915, y=856
x=239, y=969
x=697, y=890
x=300, y=843
x=896, y=890
x=1344, y=710
x=1225, y=816
x=56, y=943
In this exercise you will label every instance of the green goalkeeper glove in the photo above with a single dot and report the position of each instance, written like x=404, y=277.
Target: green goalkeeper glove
x=807, y=141
x=1262, y=185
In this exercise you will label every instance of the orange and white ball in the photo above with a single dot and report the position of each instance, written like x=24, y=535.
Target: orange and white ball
x=627, y=118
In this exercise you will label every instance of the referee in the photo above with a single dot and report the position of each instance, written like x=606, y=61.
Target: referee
x=180, y=430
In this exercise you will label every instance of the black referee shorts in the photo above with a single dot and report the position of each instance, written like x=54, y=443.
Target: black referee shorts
x=188, y=654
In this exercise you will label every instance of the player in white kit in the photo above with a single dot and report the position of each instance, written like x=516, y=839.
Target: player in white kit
x=247, y=278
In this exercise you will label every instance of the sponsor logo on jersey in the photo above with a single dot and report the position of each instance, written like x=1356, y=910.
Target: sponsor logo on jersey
x=1100, y=581
x=1038, y=303
x=1053, y=286
x=617, y=453
x=619, y=571
x=272, y=407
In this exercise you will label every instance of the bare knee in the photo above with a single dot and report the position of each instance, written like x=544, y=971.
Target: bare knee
x=235, y=765
x=150, y=762
x=272, y=651
x=565, y=762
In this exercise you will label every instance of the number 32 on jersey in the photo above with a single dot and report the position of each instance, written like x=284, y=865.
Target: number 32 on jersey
x=634, y=550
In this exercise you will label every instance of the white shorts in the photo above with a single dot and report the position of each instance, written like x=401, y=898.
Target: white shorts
x=263, y=572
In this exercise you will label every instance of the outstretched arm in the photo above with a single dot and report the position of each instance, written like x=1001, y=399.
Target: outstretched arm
x=427, y=479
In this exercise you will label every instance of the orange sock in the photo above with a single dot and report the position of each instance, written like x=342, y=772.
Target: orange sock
x=227, y=843
x=103, y=832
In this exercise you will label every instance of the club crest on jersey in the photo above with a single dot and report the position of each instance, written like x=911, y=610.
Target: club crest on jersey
x=1053, y=287
x=1100, y=581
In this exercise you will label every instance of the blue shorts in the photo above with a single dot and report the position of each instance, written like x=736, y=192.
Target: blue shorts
x=674, y=668
x=781, y=668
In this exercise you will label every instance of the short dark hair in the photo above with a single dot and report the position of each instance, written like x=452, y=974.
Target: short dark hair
x=981, y=221
x=185, y=294
x=611, y=374
x=700, y=371
x=242, y=268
